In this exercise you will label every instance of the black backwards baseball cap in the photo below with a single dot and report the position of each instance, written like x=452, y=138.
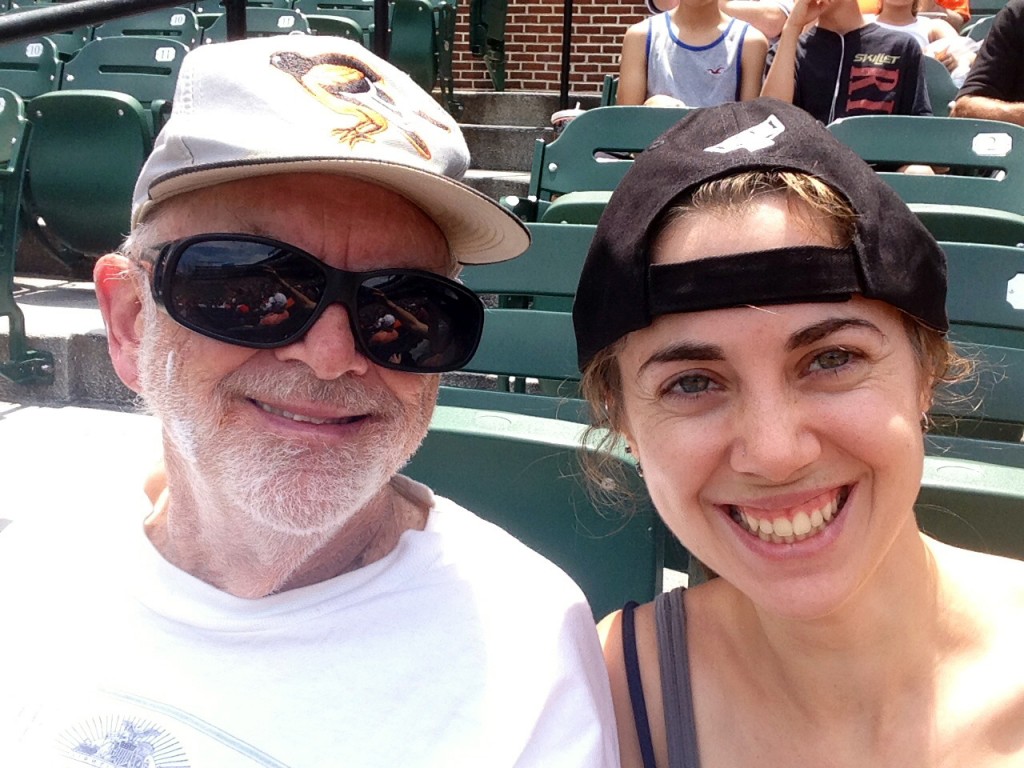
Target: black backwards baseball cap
x=892, y=258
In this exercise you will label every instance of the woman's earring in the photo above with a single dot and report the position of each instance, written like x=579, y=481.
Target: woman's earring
x=924, y=421
x=639, y=469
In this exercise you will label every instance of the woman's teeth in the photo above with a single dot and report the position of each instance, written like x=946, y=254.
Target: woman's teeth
x=806, y=521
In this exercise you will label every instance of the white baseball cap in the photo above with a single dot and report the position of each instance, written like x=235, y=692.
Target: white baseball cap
x=317, y=104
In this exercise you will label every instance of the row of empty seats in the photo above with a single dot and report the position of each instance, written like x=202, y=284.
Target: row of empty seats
x=419, y=42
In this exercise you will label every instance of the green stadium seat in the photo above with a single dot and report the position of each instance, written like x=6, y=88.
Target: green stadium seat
x=983, y=419
x=413, y=41
x=530, y=334
x=941, y=88
x=68, y=41
x=487, y=37
x=335, y=26
x=609, y=90
x=87, y=150
x=360, y=11
x=983, y=194
x=592, y=154
x=261, y=22
x=973, y=504
x=145, y=68
x=23, y=365
x=524, y=474
x=30, y=67
x=550, y=267
x=179, y=24
x=978, y=28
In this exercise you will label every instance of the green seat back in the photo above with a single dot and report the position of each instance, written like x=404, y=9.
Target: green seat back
x=983, y=418
x=987, y=157
x=550, y=267
x=973, y=504
x=610, y=90
x=335, y=26
x=523, y=337
x=524, y=474
x=981, y=199
x=68, y=41
x=145, y=68
x=360, y=11
x=413, y=38
x=487, y=37
x=179, y=24
x=941, y=88
x=593, y=152
x=30, y=67
x=261, y=22
x=979, y=28
x=970, y=224
x=87, y=150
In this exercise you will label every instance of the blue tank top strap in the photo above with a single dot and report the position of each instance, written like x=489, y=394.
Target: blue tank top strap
x=635, y=685
x=676, y=691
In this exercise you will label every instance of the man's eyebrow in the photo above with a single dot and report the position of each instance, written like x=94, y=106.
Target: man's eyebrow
x=819, y=331
x=683, y=350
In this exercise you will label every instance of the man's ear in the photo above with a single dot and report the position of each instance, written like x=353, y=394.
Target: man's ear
x=117, y=290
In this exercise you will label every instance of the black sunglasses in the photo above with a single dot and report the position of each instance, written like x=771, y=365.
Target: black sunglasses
x=256, y=292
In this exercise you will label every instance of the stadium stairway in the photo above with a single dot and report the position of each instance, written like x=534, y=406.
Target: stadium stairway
x=501, y=128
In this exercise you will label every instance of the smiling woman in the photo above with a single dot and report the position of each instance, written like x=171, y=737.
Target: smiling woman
x=762, y=321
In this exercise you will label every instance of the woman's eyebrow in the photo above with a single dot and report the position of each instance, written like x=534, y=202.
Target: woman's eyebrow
x=819, y=331
x=683, y=350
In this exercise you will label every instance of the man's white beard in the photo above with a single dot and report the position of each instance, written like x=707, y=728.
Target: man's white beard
x=297, y=487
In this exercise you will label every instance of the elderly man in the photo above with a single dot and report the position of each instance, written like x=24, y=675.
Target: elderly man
x=284, y=305
x=994, y=88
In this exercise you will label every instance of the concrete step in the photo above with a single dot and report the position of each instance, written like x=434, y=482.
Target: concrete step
x=62, y=318
x=526, y=108
x=503, y=147
x=498, y=184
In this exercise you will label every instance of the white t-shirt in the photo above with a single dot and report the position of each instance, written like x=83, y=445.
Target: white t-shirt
x=460, y=648
x=920, y=29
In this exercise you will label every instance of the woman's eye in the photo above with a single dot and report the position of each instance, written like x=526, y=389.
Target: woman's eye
x=691, y=384
x=831, y=360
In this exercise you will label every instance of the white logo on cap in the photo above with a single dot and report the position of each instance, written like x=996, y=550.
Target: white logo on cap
x=759, y=136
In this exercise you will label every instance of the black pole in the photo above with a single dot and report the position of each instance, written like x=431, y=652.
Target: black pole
x=563, y=96
x=381, y=34
x=235, y=9
x=45, y=20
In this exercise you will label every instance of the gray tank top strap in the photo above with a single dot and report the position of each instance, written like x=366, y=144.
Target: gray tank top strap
x=676, y=693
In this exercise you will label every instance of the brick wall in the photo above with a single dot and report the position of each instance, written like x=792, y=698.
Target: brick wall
x=533, y=45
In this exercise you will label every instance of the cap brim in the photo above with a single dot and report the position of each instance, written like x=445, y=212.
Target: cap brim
x=478, y=230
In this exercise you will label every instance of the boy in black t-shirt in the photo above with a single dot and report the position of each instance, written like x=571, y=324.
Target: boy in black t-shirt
x=846, y=65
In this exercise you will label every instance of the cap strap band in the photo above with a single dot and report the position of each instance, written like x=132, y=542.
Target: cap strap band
x=779, y=276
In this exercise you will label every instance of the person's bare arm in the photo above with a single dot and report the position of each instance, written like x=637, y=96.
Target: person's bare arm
x=633, y=66
x=781, y=80
x=755, y=50
x=765, y=16
x=780, y=83
x=987, y=108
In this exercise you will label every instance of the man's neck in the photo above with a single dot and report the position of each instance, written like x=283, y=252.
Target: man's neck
x=218, y=544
